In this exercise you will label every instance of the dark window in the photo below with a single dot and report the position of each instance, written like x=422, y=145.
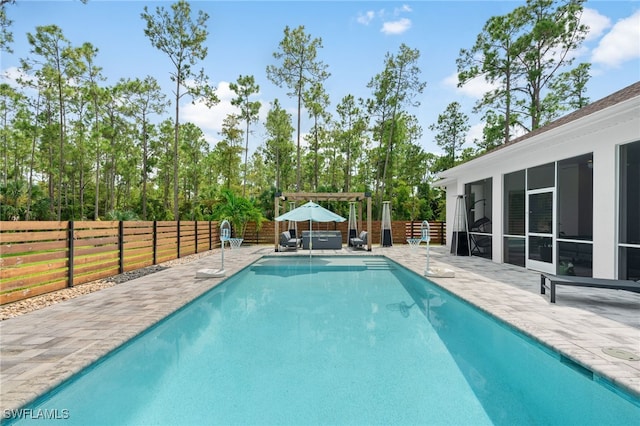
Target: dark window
x=630, y=193
x=575, y=259
x=514, y=251
x=514, y=203
x=629, y=221
x=479, y=201
x=575, y=198
x=540, y=249
x=629, y=263
x=541, y=212
x=541, y=176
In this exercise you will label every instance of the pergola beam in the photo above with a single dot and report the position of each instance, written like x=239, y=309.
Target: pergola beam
x=324, y=196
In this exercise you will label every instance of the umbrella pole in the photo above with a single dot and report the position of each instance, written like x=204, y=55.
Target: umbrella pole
x=310, y=238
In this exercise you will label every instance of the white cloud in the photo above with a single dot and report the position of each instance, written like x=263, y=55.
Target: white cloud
x=474, y=88
x=366, y=18
x=403, y=9
x=621, y=44
x=396, y=27
x=210, y=119
x=475, y=133
x=451, y=80
x=596, y=22
x=11, y=76
x=224, y=92
x=305, y=139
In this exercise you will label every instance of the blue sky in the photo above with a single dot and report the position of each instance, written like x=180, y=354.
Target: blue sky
x=356, y=35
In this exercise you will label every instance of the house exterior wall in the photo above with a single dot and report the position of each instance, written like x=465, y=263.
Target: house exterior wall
x=599, y=133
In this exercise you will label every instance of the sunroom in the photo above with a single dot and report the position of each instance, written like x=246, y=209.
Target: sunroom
x=564, y=199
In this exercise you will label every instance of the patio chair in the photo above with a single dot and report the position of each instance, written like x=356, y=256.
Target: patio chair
x=360, y=241
x=287, y=242
x=554, y=280
x=479, y=243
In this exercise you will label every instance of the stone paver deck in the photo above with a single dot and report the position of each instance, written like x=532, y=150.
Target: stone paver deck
x=41, y=349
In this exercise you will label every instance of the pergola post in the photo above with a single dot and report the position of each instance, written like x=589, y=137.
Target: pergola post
x=369, y=235
x=276, y=211
x=360, y=216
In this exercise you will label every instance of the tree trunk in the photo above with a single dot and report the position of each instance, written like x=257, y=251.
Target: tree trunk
x=144, y=167
x=246, y=154
x=176, y=210
x=298, y=187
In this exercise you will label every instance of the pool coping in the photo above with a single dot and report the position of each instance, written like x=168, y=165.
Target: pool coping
x=42, y=349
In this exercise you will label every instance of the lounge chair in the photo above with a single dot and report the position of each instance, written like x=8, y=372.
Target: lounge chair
x=360, y=241
x=287, y=242
x=555, y=280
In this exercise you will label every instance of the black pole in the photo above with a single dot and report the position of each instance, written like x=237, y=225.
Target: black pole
x=155, y=242
x=121, y=246
x=178, y=225
x=70, y=248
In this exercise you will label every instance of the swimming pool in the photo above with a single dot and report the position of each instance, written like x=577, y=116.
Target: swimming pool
x=333, y=340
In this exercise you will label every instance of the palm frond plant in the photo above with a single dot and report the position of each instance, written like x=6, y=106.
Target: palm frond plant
x=239, y=211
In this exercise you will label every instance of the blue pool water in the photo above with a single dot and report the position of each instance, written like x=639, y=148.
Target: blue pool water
x=333, y=340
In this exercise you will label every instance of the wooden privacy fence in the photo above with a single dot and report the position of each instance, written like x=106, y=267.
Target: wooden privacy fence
x=400, y=231
x=437, y=231
x=40, y=257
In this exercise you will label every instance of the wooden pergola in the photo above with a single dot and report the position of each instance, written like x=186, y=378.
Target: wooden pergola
x=325, y=196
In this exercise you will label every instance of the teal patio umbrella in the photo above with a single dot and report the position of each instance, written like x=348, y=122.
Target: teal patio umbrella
x=313, y=213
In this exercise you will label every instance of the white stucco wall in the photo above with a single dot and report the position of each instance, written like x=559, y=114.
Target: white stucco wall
x=600, y=133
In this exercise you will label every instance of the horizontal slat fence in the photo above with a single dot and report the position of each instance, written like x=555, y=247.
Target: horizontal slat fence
x=436, y=231
x=40, y=257
x=166, y=241
x=138, y=245
x=400, y=231
x=34, y=255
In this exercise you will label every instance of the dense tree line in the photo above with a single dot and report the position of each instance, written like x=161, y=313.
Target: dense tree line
x=74, y=147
